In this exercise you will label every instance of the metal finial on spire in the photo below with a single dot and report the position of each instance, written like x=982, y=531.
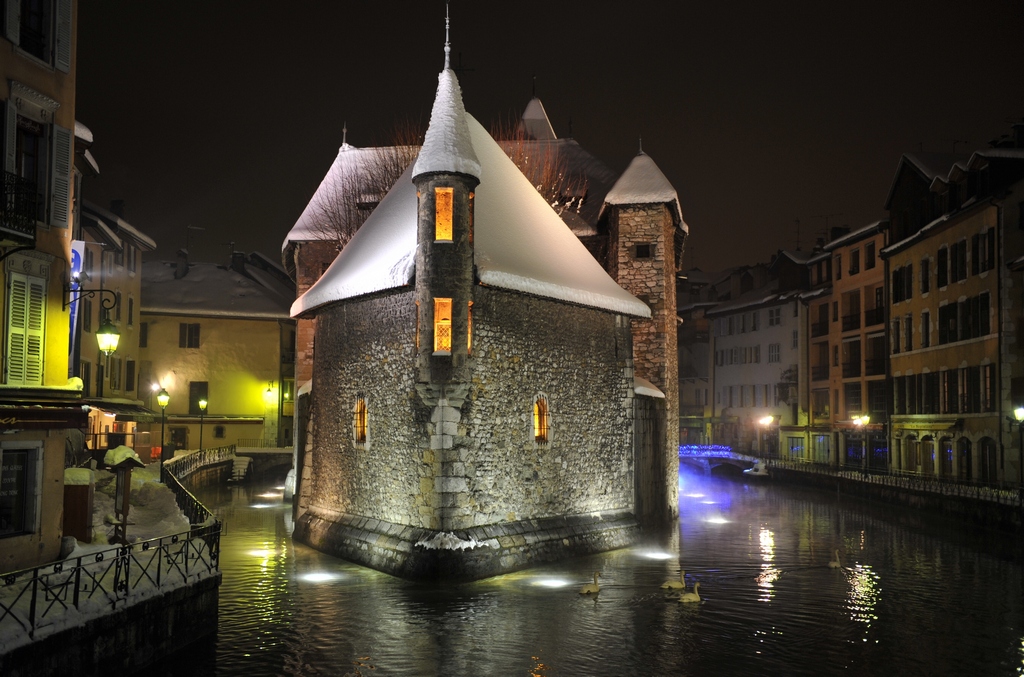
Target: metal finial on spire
x=447, y=44
x=344, y=133
x=640, y=139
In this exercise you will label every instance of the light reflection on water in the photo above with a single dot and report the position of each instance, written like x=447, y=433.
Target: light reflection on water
x=770, y=604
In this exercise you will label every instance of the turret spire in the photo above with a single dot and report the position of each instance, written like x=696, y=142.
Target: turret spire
x=447, y=44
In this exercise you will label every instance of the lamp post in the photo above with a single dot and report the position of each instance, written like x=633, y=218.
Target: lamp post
x=765, y=423
x=1018, y=414
x=861, y=422
x=202, y=413
x=163, y=398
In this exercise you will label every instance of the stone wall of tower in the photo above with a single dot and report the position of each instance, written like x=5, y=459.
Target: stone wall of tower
x=644, y=264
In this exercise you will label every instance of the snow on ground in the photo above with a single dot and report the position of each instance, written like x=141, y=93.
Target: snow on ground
x=153, y=513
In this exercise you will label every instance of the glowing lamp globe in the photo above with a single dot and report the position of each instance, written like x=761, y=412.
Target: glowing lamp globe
x=202, y=405
x=107, y=337
x=1018, y=413
x=163, y=398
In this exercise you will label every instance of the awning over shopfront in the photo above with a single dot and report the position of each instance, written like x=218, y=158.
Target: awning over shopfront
x=124, y=411
x=42, y=416
x=929, y=425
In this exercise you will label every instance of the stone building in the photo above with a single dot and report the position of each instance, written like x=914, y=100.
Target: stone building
x=473, y=384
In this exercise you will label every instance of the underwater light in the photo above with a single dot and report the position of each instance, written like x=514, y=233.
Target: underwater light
x=551, y=582
x=717, y=520
x=656, y=554
x=319, y=577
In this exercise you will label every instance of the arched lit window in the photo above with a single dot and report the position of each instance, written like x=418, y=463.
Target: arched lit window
x=359, y=421
x=541, y=420
x=443, y=214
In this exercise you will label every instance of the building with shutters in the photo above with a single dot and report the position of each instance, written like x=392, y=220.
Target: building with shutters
x=37, y=403
x=219, y=332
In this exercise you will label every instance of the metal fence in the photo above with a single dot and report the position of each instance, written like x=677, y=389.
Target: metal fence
x=63, y=594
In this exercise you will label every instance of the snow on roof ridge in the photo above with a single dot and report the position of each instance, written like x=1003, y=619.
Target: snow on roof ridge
x=536, y=123
x=447, y=146
x=644, y=183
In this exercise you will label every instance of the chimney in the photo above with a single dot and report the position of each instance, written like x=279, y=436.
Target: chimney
x=182, y=265
x=238, y=262
x=117, y=206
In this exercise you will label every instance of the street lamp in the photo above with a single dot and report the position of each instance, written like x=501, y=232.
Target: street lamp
x=764, y=446
x=1018, y=414
x=202, y=413
x=107, y=337
x=163, y=398
x=861, y=422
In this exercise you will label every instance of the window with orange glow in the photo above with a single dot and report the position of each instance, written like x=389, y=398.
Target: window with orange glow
x=471, y=196
x=442, y=325
x=469, y=330
x=541, y=420
x=443, y=213
x=359, y=421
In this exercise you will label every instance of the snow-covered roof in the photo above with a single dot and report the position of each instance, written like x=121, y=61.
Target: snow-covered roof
x=644, y=183
x=211, y=290
x=520, y=244
x=535, y=123
x=82, y=132
x=642, y=386
x=118, y=225
x=446, y=145
x=856, y=235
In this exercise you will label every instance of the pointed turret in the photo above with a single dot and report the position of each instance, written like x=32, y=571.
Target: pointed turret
x=535, y=123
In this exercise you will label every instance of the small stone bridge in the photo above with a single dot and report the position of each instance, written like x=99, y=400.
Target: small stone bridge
x=715, y=459
x=266, y=459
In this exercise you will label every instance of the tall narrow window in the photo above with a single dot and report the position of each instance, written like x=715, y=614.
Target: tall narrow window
x=443, y=213
x=541, y=420
x=359, y=421
x=469, y=330
x=442, y=326
x=471, y=199
x=417, y=325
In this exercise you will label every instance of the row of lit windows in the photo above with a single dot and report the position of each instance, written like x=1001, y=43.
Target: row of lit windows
x=968, y=390
x=951, y=265
x=748, y=355
x=869, y=260
x=541, y=421
x=966, y=319
x=741, y=323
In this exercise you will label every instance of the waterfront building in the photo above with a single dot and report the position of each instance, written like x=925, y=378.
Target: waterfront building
x=847, y=355
x=38, y=404
x=954, y=308
x=459, y=426
x=219, y=333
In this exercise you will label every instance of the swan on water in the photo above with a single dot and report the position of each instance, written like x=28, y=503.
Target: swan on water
x=674, y=584
x=834, y=563
x=591, y=588
x=691, y=596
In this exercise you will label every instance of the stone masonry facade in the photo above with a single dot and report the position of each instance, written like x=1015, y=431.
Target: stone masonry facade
x=470, y=467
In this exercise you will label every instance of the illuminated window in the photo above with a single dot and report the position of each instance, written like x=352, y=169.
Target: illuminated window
x=541, y=420
x=359, y=421
x=469, y=330
x=471, y=196
x=442, y=325
x=443, y=214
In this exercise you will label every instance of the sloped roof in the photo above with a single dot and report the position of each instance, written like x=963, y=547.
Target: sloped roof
x=520, y=243
x=212, y=290
x=446, y=145
x=535, y=123
x=644, y=183
x=108, y=221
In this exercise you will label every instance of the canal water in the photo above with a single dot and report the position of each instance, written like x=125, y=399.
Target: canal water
x=913, y=596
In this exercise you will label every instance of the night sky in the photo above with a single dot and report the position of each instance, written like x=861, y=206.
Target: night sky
x=224, y=116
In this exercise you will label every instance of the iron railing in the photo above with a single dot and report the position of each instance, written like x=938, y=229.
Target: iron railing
x=18, y=202
x=819, y=373
x=819, y=329
x=851, y=322
x=851, y=369
x=873, y=316
x=874, y=367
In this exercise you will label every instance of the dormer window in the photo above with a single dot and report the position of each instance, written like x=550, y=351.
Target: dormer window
x=442, y=326
x=443, y=197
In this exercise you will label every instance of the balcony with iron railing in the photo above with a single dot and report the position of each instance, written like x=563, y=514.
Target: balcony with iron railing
x=819, y=373
x=851, y=369
x=874, y=367
x=819, y=329
x=874, y=316
x=18, y=202
x=851, y=322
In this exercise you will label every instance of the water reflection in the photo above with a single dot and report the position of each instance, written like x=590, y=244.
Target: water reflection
x=770, y=603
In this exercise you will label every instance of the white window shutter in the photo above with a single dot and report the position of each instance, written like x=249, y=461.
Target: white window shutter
x=26, y=322
x=60, y=177
x=10, y=136
x=12, y=20
x=63, y=50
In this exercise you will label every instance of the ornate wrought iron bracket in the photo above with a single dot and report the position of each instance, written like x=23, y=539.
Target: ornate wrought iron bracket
x=71, y=295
